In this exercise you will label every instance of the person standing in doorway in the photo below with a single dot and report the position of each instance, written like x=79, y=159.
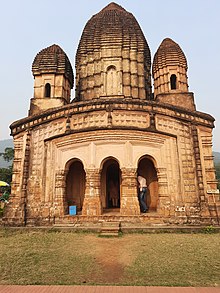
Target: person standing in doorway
x=113, y=193
x=142, y=193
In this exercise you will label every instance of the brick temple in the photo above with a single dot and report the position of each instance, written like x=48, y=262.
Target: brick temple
x=70, y=152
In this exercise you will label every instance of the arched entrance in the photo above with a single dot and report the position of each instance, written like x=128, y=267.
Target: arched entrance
x=110, y=184
x=75, y=185
x=147, y=169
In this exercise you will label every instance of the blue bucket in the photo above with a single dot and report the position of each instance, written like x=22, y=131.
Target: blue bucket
x=72, y=210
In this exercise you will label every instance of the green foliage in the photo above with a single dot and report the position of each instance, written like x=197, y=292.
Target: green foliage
x=6, y=173
x=8, y=155
x=209, y=229
x=217, y=168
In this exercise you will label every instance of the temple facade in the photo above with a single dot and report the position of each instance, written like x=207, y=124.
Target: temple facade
x=87, y=152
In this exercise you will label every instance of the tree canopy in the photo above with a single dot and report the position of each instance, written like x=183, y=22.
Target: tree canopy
x=6, y=173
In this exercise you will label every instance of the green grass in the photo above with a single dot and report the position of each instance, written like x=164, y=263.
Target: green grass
x=43, y=258
x=55, y=258
x=177, y=260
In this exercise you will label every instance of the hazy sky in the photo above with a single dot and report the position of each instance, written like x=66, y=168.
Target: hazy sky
x=28, y=26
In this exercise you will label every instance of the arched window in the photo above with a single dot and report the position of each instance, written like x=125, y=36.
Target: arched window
x=47, y=90
x=111, y=81
x=173, y=82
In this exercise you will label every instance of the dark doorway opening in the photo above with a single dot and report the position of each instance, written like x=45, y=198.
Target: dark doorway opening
x=110, y=184
x=75, y=185
x=147, y=169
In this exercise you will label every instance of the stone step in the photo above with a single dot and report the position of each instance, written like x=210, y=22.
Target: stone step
x=108, y=234
x=110, y=229
x=110, y=224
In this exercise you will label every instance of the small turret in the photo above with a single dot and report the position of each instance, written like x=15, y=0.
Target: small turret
x=170, y=76
x=53, y=79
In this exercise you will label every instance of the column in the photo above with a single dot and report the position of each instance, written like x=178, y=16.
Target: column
x=92, y=202
x=60, y=205
x=129, y=198
x=164, y=201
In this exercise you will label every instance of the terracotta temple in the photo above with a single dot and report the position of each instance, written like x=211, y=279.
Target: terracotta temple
x=71, y=152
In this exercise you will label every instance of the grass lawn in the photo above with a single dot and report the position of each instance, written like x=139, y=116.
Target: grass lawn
x=58, y=258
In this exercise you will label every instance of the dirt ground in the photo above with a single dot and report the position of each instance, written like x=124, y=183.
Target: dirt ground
x=113, y=255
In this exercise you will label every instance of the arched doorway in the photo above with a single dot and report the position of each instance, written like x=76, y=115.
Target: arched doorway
x=75, y=185
x=110, y=184
x=147, y=169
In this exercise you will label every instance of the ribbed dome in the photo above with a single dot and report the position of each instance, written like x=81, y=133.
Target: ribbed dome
x=113, y=25
x=169, y=54
x=113, y=57
x=53, y=60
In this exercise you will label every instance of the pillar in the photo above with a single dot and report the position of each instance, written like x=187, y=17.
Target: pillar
x=92, y=202
x=60, y=206
x=129, y=198
x=163, y=196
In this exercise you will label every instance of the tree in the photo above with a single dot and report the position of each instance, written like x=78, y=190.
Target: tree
x=8, y=155
x=6, y=173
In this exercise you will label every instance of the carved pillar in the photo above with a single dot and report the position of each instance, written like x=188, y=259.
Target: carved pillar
x=129, y=199
x=163, y=197
x=60, y=205
x=92, y=202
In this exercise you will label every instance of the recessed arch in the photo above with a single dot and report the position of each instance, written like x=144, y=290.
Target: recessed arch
x=110, y=183
x=75, y=184
x=72, y=160
x=111, y=81
x=107, y=159
x=147, y=169
x=150, y=158
x=111, y=67
x=47, y=90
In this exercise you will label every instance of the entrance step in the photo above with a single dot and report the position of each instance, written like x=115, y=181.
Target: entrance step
x=110, y=229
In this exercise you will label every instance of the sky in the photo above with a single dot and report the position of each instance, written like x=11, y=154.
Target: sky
x=27, y=27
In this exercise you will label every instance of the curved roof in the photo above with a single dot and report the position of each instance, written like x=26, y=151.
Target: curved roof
x=53, y=60
x=113, y=26
x=168, y=54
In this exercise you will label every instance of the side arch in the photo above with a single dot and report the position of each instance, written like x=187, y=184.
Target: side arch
x=75, y=184
x=147, y=169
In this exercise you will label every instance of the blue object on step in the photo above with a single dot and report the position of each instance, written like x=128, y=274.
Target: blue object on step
x=72, y=210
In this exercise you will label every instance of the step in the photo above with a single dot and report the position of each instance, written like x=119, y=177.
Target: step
x=110, y=229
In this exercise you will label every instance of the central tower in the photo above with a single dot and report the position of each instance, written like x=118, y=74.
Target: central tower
x=113, y=58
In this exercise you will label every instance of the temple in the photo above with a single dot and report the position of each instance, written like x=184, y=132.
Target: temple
x=87, y=152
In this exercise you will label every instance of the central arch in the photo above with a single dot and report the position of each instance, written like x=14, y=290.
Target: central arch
x=110, y=184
